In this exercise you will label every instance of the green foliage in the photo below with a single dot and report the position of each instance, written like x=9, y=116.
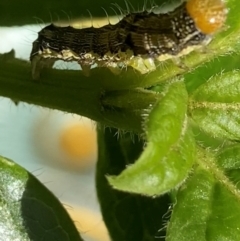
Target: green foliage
x=168, y=161
x=127, y=216
x=207, y=204
x=215, y=105
x=170, y=149
x=29, y=211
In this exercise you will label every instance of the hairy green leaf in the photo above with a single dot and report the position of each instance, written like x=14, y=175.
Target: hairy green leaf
x=215, y=106
x=228, y=158
x=170, y=149
x=207, y=206
x=128, y=216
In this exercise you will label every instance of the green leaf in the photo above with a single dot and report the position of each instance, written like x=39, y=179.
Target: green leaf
x=215, y=106
x=170, y=149
x=228, y=158
x=207, y=206
x=128, y=216
x=28, y=210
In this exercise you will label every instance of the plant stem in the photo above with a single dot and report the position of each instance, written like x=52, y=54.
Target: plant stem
x=70, y=91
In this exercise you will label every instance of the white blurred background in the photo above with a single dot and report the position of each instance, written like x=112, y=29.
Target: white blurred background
x=58, y=148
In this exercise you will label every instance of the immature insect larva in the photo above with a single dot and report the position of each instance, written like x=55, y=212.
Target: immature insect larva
x=137, y=40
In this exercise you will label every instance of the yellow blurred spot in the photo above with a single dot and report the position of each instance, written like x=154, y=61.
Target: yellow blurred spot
x=78, y=141
x=89, y=223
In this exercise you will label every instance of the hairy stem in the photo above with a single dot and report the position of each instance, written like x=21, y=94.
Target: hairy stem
x=72, y=92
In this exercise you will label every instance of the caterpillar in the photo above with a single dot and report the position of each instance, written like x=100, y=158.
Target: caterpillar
x=137, y=40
